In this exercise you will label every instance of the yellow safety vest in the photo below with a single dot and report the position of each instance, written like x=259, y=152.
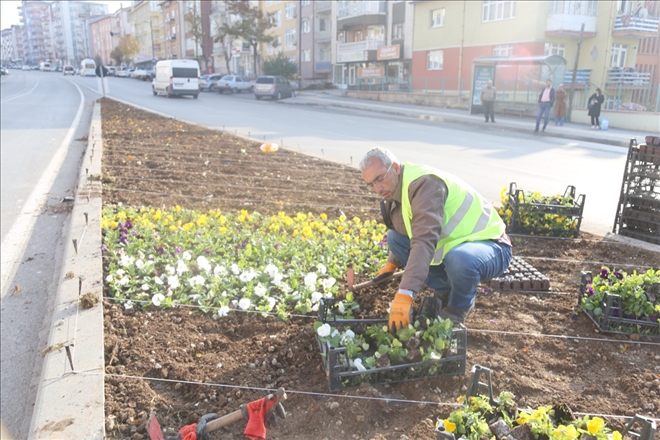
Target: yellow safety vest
x=468, y=216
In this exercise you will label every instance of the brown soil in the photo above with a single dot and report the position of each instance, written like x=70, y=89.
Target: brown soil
x=194, y=364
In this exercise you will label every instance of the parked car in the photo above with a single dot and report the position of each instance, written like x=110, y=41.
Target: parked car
x=234, y=84
x=25, y=68
x=207, y=82
x=111, y=70
x=123, y=72
x=143, y=74
x=68, y=70
x=274, y=87
x=4, y=70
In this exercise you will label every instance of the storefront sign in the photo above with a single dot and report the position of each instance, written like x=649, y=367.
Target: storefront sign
x=347, y=57
x=371, y=72
x=389, y=52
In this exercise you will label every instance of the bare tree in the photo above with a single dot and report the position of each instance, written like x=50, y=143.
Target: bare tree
x=251, y=26
x=222, y=21
x=194, y=20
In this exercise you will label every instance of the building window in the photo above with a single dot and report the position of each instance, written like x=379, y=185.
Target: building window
x=269, y=2
x=274, y=47
x=573, y=7
x=306, y=2
x=358, y=36
x=341, y=37
x=376, y=33
x=322, y=24
x=290, y=38
x=503, y=50
x=499, y=10
x=290, y=11
x=438, y=17
x=324, y=54
x=276, y=19
x=305, y=26
x=434, y=60
x=306, y=55
x=618, y=58
x=397, y=31
x=554, y=49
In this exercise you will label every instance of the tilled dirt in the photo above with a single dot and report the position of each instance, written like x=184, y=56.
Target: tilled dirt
x=182, y=364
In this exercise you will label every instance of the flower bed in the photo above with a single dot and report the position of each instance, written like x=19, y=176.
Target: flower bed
x=530, y=213
x=620, y=303
x=485, y=416
x=355, y=352
x=245, y=261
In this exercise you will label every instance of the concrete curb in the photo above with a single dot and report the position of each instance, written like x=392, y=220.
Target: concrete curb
x=452, y=119
x=70, y=398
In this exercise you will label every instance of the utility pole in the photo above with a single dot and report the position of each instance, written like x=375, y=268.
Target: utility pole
x=151, y=27
x=575, y=66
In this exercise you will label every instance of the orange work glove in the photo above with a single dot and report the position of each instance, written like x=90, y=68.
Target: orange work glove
x=400, y=312
x=257, y=412
x=385, y=272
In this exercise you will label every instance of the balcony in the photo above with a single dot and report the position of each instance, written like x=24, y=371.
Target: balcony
x=323, y=66
x=322, y=5
x=322, y=35
x=351, y=13
x=635, y=27
x=582, y=78
x=627, y=78
x=568, y=25
x=358, y=51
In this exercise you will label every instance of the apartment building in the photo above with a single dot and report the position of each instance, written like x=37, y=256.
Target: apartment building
x=231, y=55
x=18, y=42
x=146, y=20
x=71, y=35
x=7, y=48
x=372, y=45
x=100, y=29
x=648, y=62
x=198, y=46
x=173, y=19
x=283, y=16
x=315, y=55
x=37, y=26
x=518, y=37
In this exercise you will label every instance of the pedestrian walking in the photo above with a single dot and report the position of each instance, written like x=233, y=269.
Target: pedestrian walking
x=560, y=105
x=595, y=102
x=446, y=235
x=488, y=96
x=546, y=100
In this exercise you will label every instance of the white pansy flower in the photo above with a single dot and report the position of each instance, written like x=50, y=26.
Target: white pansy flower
x=244, y=304
x=203, y=263
x=271, y=302
x=181, y=267
x=340, y=307
x=321, y=268
x=145, y=287
x=247, y=276
x=219, y=271
x=128, y=304
x=316, y=297
x=170, y=270
x=324, y=330
x=358, y=364
x=121, y=272
x=173, y=282
x=277, y=279
x=126, y=260
x=271, y=270
x=223, y=311
x=310, y=280
x=334, y=333
x=260, y=290
x=347, y=337
x=157, y=299
x=235, y=269
x=158, y=281
x=124, y=281
x=186, y=256
x=108, y=278
x=328, y=283
x=197, y=281
x=139, y=264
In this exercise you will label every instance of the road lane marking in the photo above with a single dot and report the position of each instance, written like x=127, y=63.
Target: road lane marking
x=14, y=244
x=18, y=96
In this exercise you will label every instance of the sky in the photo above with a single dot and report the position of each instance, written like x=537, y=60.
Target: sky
x=9, y=11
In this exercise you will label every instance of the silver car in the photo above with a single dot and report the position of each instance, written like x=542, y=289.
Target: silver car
x=274, y=87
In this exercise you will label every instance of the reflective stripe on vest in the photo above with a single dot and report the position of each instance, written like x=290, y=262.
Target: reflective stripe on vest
x=467, y=216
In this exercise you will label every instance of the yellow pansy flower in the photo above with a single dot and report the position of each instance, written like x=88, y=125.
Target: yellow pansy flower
x=202, y=220
x=172, y=228
x=356, y=220
x=340, y=228
x=342, y=218
x=177, y=208
x=594, y=425
x=104, y=223
x=157, y=215
x=223, y=229
x=449, y=426
x=324, y=216
x=616, y=435
x=187, y=226
x=121, y=215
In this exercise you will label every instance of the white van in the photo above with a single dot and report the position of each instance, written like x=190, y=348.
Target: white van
x=176, y=77
x=44, y=67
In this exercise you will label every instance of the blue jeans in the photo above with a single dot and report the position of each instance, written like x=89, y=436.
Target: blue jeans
x=544, y=107
x=463, y=268
x=559, y=120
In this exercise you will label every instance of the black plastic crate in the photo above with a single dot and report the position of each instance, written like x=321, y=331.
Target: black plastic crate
x=523, y=210
x=611, y=320
x=342, y=375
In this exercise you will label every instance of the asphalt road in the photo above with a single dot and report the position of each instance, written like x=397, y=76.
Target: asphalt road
x=487, y=159
x=42, y=115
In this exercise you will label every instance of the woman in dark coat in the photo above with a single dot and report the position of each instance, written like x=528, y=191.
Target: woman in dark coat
x=595, y=102
x=560, y=105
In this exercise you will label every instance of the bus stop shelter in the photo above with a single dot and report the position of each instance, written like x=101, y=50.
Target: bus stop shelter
x=517, y=79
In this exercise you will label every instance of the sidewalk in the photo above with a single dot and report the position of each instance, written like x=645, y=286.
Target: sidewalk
x=336, y=98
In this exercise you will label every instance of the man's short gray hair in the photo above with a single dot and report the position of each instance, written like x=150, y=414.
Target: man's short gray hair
x=385, y=156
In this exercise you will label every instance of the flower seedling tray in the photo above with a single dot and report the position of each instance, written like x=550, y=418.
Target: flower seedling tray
x=611, y=319
x=546, y=219
x=342, y=375
x=521, y=276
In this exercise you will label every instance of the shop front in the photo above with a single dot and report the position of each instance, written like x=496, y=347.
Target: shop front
x=372, y=69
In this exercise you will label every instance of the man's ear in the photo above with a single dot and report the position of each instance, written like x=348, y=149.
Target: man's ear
x=397, y=168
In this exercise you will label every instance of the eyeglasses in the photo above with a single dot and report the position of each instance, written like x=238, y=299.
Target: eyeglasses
x=380, y=178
